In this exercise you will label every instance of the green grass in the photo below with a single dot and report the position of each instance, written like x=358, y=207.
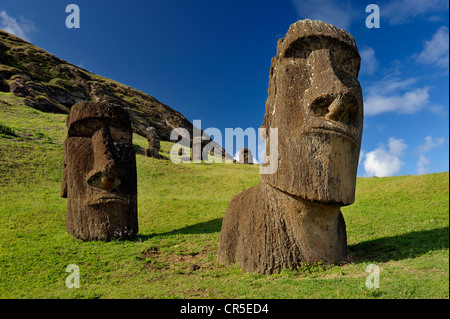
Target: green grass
x=399, y=223
x=6, y=130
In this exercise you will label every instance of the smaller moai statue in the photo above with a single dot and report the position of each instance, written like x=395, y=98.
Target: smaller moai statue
x=245, y=156
x=197, y=149
x=99, y=173
x=154, y=144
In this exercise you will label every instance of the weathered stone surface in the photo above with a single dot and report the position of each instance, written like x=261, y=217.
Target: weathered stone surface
x=99, y=174
x=315, y=102
x=154, y=144
x=245, y=156
x=265, y=230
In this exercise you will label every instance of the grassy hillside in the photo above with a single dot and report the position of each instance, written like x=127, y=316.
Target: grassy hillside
x=398, y=223
x=48, y=83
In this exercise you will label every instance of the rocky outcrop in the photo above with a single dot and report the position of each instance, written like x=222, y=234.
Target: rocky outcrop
x=51, y=84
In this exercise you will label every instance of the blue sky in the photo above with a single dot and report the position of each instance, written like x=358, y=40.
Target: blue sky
x=210, y=60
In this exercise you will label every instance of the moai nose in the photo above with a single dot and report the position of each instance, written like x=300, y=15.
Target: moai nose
x=104, y=180
x=327, y=96
x=342, y=108
x=106, y=174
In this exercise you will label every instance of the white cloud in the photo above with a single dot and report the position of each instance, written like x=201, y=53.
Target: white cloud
x=401, y=11
x=393, y=84
x=362, y=153
x=422, y=164
x=407, y=103
x=385, y=162
x=23, y=29
x=369, y=62
x=401, y=96
x=338, y=13
x=430, y=143
x=435, y=51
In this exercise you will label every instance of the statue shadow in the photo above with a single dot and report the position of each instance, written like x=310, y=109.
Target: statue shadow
x=399, y=247
x=211, y=226
x=408, y=245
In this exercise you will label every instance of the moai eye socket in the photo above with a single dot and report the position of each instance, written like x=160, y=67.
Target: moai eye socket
x=120, y=135
x=346, y=60
x=300, y=49
x=84, y=128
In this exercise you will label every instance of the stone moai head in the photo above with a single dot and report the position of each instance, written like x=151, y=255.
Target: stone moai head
x=197, y=149
x=154, y=144
x=315, y=101
x=99, y=174
x=245, y=156
x=152, y=137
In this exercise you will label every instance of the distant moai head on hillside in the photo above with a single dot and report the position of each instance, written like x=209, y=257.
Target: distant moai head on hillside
x=315, y=101
x=245, y=156
x=99, y=174
x=154, y=143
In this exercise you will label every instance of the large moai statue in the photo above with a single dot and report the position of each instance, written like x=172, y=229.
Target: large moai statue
x=99, y=174
x=315, y=102
x=154, y=143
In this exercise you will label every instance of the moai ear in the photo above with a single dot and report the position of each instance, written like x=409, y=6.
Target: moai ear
x=64, y=177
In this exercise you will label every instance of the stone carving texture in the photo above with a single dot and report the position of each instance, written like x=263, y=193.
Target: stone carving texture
x=99, y=174
x=315, y=101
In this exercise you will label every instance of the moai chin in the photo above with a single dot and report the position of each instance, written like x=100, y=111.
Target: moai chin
x=315, y=101
x=99, y=174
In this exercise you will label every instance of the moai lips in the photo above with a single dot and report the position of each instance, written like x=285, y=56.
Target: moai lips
x=99, y=175
x=315, y=102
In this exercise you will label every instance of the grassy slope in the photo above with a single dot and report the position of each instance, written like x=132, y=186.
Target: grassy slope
x=398, y=223
x=53, y=84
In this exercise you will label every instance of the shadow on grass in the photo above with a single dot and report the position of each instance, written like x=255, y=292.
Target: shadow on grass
x=211, y=226
x=402, y=246
x=397, y=247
